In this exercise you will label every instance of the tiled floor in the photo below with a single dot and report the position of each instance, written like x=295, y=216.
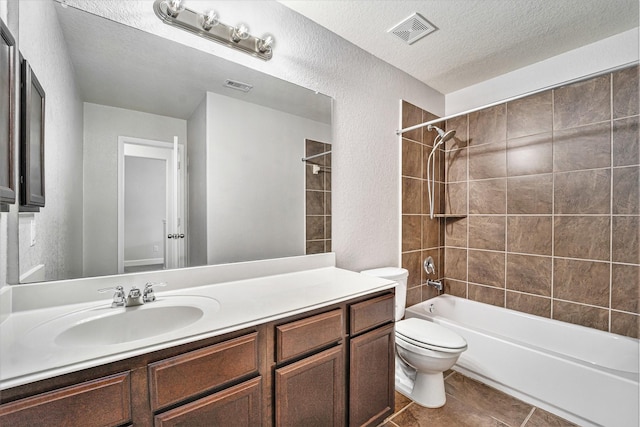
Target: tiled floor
x=471, y=403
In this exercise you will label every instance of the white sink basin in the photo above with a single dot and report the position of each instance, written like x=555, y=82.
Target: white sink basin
x=106, y=326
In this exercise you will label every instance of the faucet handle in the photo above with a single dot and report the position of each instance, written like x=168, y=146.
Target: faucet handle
x=119, y=298
x=429, y=266
x=149, y=295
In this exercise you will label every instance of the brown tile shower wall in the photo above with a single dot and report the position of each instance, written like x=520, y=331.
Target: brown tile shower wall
x=549, y=186
x=421, y=236
x=317, y=199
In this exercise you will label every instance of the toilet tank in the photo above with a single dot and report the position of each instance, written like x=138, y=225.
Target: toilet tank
x=398, y=275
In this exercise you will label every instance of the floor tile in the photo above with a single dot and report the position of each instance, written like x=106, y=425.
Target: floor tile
x=542, y=418
x=401, y=402
x=453, y=413
x=487, y=400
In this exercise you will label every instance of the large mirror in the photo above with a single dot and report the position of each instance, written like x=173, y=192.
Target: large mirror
x=152, y=162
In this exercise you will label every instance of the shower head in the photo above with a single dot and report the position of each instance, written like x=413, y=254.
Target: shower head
x=442, y=135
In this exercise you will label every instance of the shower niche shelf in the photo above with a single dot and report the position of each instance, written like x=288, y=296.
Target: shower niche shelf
x=449, y=216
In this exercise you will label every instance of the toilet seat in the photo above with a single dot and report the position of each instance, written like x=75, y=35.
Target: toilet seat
x=429, y=335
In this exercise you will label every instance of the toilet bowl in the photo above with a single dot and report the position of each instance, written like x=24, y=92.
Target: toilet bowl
x=424, y=350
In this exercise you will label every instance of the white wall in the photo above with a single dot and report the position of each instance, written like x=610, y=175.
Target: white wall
x=611, y=52
x=197, y=186
x=255, y=180
x=102, y=126
x=366, y=154
x=59, y=224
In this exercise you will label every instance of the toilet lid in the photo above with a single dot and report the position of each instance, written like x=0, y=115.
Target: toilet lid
x=428, y=334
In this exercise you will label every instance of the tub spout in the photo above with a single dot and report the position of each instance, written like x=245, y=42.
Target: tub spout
x=436, y=284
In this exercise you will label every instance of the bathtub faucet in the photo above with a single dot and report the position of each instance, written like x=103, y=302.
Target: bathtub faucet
x=436, y=284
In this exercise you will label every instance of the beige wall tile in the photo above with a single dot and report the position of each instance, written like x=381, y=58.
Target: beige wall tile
x=529, y=234
x=411, y=232
x=487, y=268
x=626, y=236
x=487, y=232
x=411, y=115
x=531, y=274
x=585, y=147
x=488, y=125
x=584, y=237
x=455, y=266
x=530, y=194
x=413, y=263
x=625, y=142
x=582, y=103
x=530, y=115
x=530, y=155
x=586, y=282
x=488, y=161
x=411, y=196
x=531, y=304
x=591, y=317
x=583, y=192
x=625, y=92
x=455, y=198
x=486, y=294
x=625, y=287
x=626, y=190
x=625, y=324
x=411, y=158
x=488, y=196
x=455, y=232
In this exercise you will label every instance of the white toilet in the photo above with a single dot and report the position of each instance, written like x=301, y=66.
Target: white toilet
x=424, y=350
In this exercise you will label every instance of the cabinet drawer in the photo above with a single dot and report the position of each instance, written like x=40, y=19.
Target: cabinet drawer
x=303, y=336
x=102, y=402
x=181, y=377
x=368, y=314
x=239, y=406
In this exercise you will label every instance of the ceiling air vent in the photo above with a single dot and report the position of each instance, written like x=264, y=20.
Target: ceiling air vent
x=244, y=87
x=413, y=28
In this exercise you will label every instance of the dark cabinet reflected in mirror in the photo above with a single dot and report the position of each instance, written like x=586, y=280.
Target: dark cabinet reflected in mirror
x=7, y=107
x=215, y=173
x=32, y=132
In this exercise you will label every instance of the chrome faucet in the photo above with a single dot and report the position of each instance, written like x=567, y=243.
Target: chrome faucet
x=119, y=300
x=430, y=268
x=135, y=297
x=149, y=295
x=436, y=284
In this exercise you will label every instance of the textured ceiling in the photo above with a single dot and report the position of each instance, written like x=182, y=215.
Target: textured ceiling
x=475, y=39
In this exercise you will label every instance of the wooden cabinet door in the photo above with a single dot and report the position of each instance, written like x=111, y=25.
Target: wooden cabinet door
x=372, y=377
x=310, y=392
x=235, y=406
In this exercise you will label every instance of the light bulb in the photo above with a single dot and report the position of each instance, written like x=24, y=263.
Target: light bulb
x=266, y=43
x=174, y=7
x=209, y=19
x=240, y=32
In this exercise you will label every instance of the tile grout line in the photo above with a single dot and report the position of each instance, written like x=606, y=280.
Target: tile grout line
x=506, y=202
x=553, y=200
x=610, y=201
x=390, y=419
x=526, y=420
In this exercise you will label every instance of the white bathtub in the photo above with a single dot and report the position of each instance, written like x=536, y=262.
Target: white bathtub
x=584, y=375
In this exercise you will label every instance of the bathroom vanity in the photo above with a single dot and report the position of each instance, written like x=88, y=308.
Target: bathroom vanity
x=303, y=348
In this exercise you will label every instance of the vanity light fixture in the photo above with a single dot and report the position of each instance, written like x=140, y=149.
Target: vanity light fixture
x=208, y=25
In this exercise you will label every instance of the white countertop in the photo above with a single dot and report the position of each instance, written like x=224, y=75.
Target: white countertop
x=243, y=303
